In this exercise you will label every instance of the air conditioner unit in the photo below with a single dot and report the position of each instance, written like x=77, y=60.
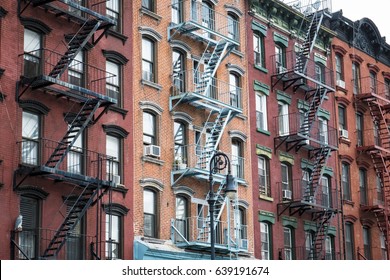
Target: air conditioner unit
x=286, y=194
x=340, y=83
x=115, y=179
x=153, y=151
x=344, y=133
x=312, y=199
x=281, y=69
x=244, y=244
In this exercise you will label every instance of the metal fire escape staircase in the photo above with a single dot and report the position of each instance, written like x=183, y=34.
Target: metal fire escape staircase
x=322, y=220
x=90, y=191
x=380, y=113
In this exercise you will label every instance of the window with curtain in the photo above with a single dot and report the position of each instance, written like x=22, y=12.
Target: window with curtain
x=30, y=138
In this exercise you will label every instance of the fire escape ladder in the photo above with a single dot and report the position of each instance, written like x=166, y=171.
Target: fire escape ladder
x=220, y=202
x=320, y=158
x=379, y=117
x=214, y=137
x=74, y=216
x=76, y=44
x=309, y=42
x=322, y=220
x=213, y=61
x=79, y=123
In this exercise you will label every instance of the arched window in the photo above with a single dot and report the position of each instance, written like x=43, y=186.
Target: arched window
x=373, y=82
x=345, y=180
x=237, y=161
x=233, y=27
x=363, y=186
x=182, y=217
x=178, y=71
x=150, y=213
x=235, y=90
x=32, y=53
x=148, y=59
x=242, y=227
x=208, y=17
x=339, y=67
x=356, y=77
x=149, y=128
x=31, y=134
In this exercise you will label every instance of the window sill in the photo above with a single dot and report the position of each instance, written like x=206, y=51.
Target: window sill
x=345, y=141
x=121, y=189
x=238, y=53
x=263, y=131
x=151, y=14
x=262, y=69
x=338, y=88
x=151, y=84
x=348, y=202
x=117, y=35
x=152, y=160
x=265, y=197
x=119, y=110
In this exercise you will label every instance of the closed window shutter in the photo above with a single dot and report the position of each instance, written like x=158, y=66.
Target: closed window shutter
x=29, y=211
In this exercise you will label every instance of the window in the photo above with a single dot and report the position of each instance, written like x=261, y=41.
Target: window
x=149, y=128
x=261, y=112
x=377, y=139
x=283, y=119
x=387, y=88
x=367, y=242
x=75, y=240
x=307, y=188
x=320, y=72
x=342, y=117
x=363, y=186
x=359, y=129
x=179, y=134
x=259, y=50
x=148, y=4
x=309, y=250
x=148, y=60
x=113, y=237
x=233, y=27
x=150, y=211
x=198, y=143
x=326, y=192
x=237, y=162
x=356, y=78
x=76, y=70
x=177, y=14
x=28, y=238
x=339, y=67
x=113, y=89
x=241, y=224
x=265, y=230
x=263, y=170
x=373, y=83
x=379, y=191
x=329, y=248
x=113, y=149
x=207, y=18
x=182, y=217
x=178, y=66
x=349, y=246
x=235, y=91
x=30, y=138
x=113, y=12
x=202, y=212
x=288, y=243
x=383, y=246
x=280, y=59
x=32, y=53
x=323, y=127
x=345, y=181
x=75, y=155
x=286, y=176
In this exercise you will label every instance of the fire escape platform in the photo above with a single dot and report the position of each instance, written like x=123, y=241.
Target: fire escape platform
x=373, y=149
x=62, y=9
x=206, y=247
x=203, y=102
x=74, y=92
x=61, y=175
x=303, y=206
x=298, y=140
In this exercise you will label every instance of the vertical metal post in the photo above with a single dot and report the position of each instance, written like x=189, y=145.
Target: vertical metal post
x=211, y=202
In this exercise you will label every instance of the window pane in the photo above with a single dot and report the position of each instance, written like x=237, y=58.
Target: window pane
x=149, y=202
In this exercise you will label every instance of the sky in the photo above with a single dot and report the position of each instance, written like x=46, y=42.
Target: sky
x=376, y=10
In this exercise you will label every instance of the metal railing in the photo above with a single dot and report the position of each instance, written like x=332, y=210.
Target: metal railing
x=78, y=161
x=209, y=21
x=32, y=243
x=303, y=253
x=315, y=73
x=308, y=7
x=299, y=190
x=369, y=138
x=198, y=157
x=319, y=134
x=369, y=85
x=94, y=79
x=82, y=9
x=196, y=229
x=191, y=81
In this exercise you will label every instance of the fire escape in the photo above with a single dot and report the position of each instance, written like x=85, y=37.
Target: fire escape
x=372, y=94
x=299, y=72
x=91, y=102
x=201, y=89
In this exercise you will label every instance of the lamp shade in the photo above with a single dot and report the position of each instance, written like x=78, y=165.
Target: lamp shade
x=231, y=187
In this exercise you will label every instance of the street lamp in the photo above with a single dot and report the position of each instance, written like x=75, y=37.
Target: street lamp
x=219, y=161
